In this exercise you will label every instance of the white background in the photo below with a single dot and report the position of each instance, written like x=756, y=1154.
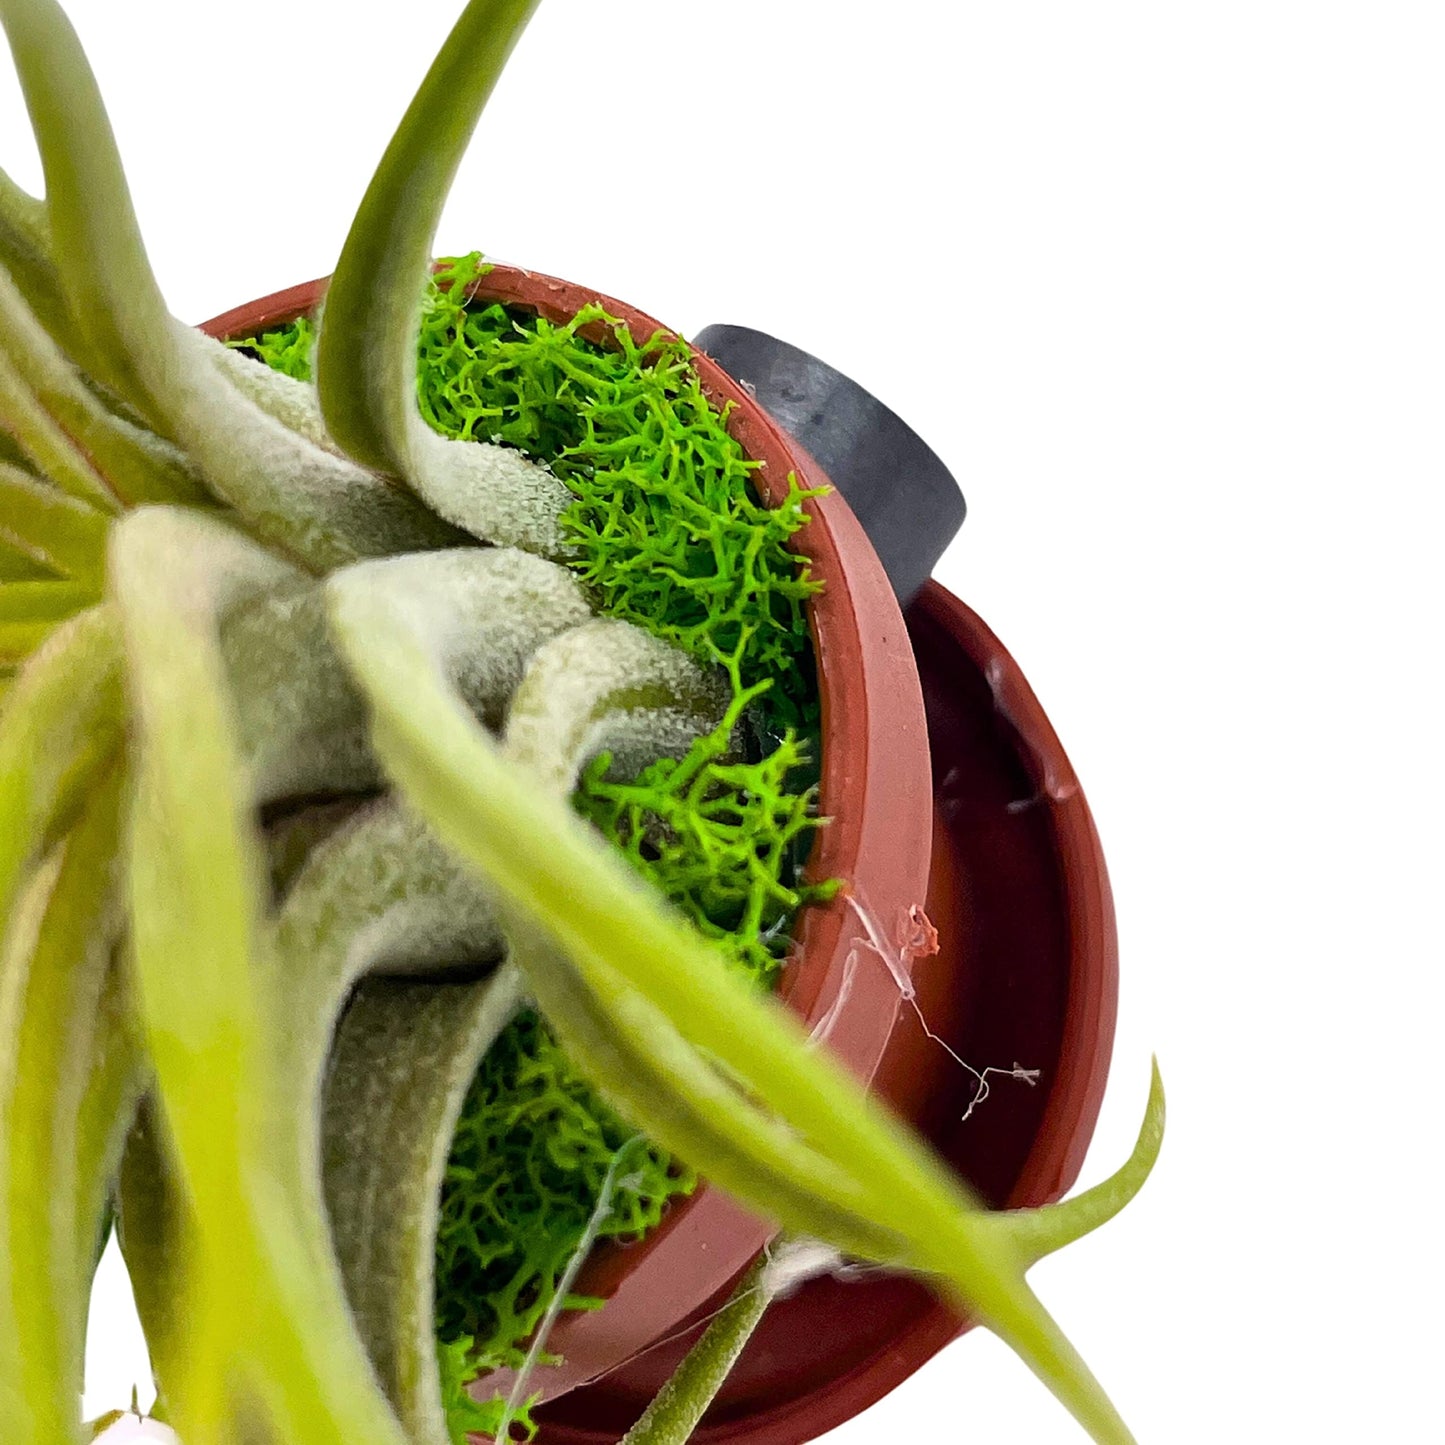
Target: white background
x=1163, y=285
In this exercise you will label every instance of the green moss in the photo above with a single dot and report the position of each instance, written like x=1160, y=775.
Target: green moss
x=669, y=531
x=286, y=349
x=723, y=839
x=527, y=1166
x=669, y=535
x=466, y=1416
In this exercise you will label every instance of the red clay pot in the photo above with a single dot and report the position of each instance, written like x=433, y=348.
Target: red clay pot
x=1027, y=972
x=995, y=839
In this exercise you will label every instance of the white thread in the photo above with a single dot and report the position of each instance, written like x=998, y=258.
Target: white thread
x=897, y=965
x=800, y=1260
x=600, y=1211
x=823, y=1029
x=893, y=962
x=796, y=1262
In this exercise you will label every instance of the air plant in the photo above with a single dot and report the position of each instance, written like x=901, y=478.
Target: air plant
x=221, y=588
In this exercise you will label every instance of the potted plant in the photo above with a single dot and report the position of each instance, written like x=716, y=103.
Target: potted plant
x=301, y=693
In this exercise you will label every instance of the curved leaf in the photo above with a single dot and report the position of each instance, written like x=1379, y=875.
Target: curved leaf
x=69, y=1076
x=58, y=733
x=366, y=354
x=132, y=464
x=366, y=351
x=484, y=612
x=320, y=508
x=300, y=722
x=271, y=1351
x=61, y=534
x=404, y=1058
x=25, y=254
x=609, y=686
x=1035, y=1233
x=682, y=1402
x=46, y=444
x=661, y=1082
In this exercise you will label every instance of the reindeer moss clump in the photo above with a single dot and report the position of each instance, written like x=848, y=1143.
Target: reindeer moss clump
x=532, y=1149
x=667, y=527
x=669, y=534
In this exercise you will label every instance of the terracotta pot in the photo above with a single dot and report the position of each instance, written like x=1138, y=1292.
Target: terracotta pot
x=875, y=788
x=1013, y=877
x=1027, y=972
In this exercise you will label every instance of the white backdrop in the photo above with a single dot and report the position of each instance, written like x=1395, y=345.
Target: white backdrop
x=1163, y=285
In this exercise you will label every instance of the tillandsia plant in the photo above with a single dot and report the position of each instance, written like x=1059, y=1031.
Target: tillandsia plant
x=558, y=715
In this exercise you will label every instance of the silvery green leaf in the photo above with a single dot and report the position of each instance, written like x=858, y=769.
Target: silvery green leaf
x=300, y=721
x=270, y=1348
x=25, y=254
x=379, y=895
x=69, y=1077
x=366, y=362
x=644, y=1063
x=293, y=833
x=317, y=506
x=483, y=611
x=63, y=535
x=131, y=463
x=493, y=492
x=490, y=492
x=323, y=510
x=60, y=729
x=45, y=443
x=404, y=1057
x=292, y=402
x=609, y=686
x=366, y=351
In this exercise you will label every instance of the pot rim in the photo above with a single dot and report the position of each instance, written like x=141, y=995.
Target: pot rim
x=864, y=1338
